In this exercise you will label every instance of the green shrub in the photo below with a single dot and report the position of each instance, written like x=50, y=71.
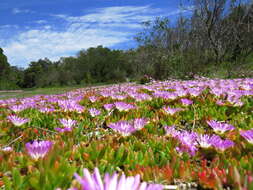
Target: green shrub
x=8, y=85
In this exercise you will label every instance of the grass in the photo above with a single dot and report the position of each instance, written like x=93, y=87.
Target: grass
x=37, y=91
x=32, y=92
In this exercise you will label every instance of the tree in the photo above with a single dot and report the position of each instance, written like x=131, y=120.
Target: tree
x=4, y=65
x=225, y=26
x=218, y=31
x=36, y=73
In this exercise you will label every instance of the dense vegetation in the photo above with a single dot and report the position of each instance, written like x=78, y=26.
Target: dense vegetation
x=215, y=41
x=196, y=133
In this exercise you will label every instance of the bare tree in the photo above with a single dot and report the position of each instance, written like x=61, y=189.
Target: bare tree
x=225, y=26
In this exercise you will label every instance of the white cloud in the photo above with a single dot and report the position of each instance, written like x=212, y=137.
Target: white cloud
x=105, y=26
x=35, y=44
x=114, y=15
x=18, y=11
x=8, y=26
x=181, y=10
x=40, y=21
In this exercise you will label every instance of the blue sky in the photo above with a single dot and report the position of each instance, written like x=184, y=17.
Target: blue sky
x=34, y=29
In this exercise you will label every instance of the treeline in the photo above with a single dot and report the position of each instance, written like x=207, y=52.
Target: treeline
x=215, y=41
x=94, y=65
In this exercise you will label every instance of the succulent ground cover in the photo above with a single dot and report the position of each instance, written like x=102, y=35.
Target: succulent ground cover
x=197, y=133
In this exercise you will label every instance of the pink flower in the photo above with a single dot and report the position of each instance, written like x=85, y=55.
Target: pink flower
x=195, y=91
x=171, y=131
x=64, y=129
x=206, y=141
x=165, y=95
x=46, y=110
x=94, y=182
x=220, y=102
x=122, y=106
x=141, y=96
x=68, y=123
x=186, y=101
x=17, y=108
x=94, y=112
x=188, y=142
x=223, y=144
x=216, y=91
x=17, y=121
x=118, y=97
x=123, y=127
x=248, y=135
x=139, y=123
x=38, y=149
x=109, y=107
x=220, y=127
x=70, y=106
x=6, y=149
x=235, y=100
x=93, y=99
x=171, y=111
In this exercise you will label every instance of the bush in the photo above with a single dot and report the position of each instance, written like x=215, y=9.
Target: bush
x=144, y=79
x=8, y=85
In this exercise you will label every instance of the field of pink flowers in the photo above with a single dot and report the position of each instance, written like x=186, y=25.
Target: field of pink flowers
x=164, y=135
